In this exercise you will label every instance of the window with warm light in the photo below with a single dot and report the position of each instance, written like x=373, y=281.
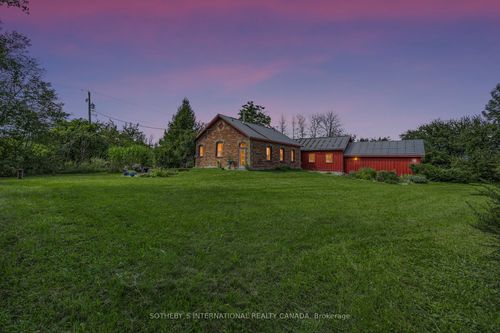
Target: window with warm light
x=201, y=151
x=268, y=153
x=312, y=157
x=329, y=158
x=219, y=149
x=292, y=155
x=282, y=154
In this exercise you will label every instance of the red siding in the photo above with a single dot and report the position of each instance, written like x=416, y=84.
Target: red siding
x=320, y=164
x=401, y=165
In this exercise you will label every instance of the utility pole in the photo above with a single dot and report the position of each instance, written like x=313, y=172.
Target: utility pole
x=90, y=106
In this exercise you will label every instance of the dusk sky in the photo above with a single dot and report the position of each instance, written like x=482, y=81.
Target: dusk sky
x=384, y=66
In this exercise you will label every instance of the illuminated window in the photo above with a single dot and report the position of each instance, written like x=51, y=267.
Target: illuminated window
x=268, y=153
x=312, y=157
x=282, y=154
x=329, y=158
x=292, y=155
x=356, y=158
x=201, y=151
x=219, y=149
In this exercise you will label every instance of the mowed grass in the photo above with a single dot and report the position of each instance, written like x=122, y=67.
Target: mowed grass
x=103, y=252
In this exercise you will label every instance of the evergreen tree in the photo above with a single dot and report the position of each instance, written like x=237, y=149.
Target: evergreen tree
x=255, y=114
x=492, y=110
x=177, y=147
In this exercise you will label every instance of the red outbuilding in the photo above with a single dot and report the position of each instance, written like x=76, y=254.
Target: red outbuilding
x=323, y=154
x=340, y=154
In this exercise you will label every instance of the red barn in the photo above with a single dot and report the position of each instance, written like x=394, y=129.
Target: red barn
x=323, y=154
x=340, y=154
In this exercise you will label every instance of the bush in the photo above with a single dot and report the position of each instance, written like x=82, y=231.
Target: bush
x=94, y=165
x=160, y=172
x=417, y=179
x=366, y=174
x=283, y=168
x=353, y=174
x=434, y=173
x=489, y=215
x=387, y=177
x=136, y=156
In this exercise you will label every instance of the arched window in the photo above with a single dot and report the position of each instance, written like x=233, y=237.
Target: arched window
x=219, y=149
x=282, y=154
x=201, y=151
x=243, y=145
x=268, y=153
x=292, y=155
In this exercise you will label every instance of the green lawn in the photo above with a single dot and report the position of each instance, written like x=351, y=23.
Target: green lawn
x=105, y=252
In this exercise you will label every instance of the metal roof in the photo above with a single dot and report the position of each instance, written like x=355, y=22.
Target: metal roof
x=317, y=144
x=259, y=132
x=386, y=148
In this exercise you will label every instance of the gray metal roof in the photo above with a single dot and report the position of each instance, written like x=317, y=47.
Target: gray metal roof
x=386, y=148
x=317, y=144
x=259, y=132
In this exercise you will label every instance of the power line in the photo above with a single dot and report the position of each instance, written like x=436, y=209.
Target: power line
x=131, y=122
x=103, y=114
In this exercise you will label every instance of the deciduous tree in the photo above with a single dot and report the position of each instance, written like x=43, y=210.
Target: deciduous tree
x=492, y=110
x=254, y=113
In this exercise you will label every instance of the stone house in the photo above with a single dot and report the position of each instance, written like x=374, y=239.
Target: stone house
x=226, y=140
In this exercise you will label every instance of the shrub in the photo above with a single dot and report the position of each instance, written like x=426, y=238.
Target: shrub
x=128, y=157
x=283, y=168
x=353, y=174
x=489, y=215
x=94, y=165
x=387, y=177
x=160, y=172
x=441, y=174
x=417, y=179
x=366, y=174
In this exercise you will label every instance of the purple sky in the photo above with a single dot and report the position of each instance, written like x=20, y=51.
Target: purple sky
x=384, y=66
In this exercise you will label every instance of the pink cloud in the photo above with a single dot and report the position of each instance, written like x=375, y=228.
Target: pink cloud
x=340, y=10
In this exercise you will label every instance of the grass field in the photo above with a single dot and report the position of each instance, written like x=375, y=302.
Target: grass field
x=110, y=253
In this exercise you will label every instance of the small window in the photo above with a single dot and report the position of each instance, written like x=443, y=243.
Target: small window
x=329, y=158
x=201, y=151
x=292, y=155
x=268, y=153
x=312, y=157
x=219, y=149
x=282, y=154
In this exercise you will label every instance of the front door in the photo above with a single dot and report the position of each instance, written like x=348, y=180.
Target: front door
x=243, y=157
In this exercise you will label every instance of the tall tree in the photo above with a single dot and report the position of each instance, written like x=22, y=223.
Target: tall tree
x=492, y=110
x=23, y=4
x=315, y=125
x=254, y=113
x=29, y=105
x=132, y=133
x=282, y=124
x=294, y=127
x=330, y=124
x=177, y=147
x=301, y=126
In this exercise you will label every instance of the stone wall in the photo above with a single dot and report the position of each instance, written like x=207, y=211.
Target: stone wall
x=229, y=136
x=258, y=155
